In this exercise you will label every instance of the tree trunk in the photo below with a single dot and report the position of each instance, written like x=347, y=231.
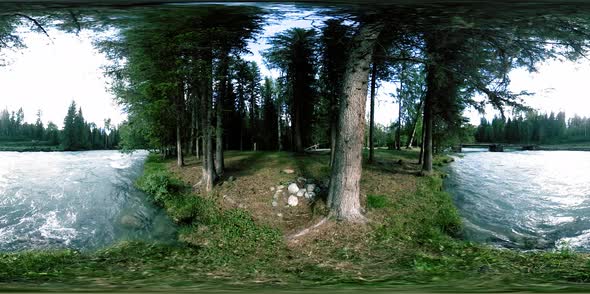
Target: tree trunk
x=297, y=130
x=372, y=115
x=415, y=125
x=197, y=149
x=398, y=135
x=208, y=166
x=280, y=143
x=427, y=123
x=179, y=118
x=344, y=193
x=179, y=159
x=193, y=136
x=421, y=158
x=253, y=114
x=219, y=160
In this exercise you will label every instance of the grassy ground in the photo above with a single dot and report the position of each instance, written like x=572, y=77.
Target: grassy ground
x=234, y=238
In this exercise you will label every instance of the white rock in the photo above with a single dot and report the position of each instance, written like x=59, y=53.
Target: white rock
x=293, y=201
x=279, y=214
x=309, y=195
x=275, y=204
x=288, y=171
x=272, y=188
x=293, y=188
x=300, y=193
x=301, y=179
x=310, y=187
x=280, y=187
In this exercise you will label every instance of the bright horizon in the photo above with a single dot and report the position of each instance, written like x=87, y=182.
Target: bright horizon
x=49, y=74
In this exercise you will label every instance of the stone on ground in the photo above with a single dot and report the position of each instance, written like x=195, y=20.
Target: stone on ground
x=293, y=201
x=288, y=171
x=293, y=188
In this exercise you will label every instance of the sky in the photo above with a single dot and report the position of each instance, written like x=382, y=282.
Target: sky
x=51, y=72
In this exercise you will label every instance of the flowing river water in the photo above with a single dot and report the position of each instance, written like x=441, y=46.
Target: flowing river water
x=79, y=200
x=523, y=199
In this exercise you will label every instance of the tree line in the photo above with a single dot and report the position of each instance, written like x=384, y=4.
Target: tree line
x=77, y=133
x=534, y=127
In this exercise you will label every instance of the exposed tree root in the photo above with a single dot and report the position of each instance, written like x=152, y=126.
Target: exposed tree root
x=307, y=230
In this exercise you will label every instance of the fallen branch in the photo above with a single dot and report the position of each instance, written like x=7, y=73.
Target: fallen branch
x=307, y=230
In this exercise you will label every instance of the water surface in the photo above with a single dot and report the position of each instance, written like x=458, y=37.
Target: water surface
x=80, y=200
x=524, y=199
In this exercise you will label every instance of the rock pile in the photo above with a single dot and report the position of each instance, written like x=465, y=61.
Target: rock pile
x=301, y=188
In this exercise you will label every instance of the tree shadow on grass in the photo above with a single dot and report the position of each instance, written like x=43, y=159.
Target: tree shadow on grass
x=242, y=163
x=394, y=161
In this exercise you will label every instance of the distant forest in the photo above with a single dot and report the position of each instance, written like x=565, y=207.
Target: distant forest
x=77, y=134
x=534, y=128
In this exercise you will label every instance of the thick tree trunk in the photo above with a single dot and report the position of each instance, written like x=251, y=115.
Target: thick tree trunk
x=344, y=193
x=372, y=115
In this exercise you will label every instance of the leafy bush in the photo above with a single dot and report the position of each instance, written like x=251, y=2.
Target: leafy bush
x=160, y=185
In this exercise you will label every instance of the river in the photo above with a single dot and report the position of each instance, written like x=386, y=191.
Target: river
x=78, y=200
x=523, y=199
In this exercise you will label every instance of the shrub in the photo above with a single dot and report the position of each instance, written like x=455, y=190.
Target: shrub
x=160, y=185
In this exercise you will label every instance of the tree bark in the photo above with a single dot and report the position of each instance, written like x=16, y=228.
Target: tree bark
x=253, y=114
x=179, y=158
x=208, y=166
x=415, y=124
x=179, y=115
x=344, y=193
x=197, y=149
x=421, y=158
x=219, y=157
x=427, y=121
x=219, y=161
x=279, y=142
x=297, y=129
x=372, y=115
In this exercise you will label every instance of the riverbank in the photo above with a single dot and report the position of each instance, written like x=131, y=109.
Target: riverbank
x=234, y=237
x=29, y=146
x=584, y=146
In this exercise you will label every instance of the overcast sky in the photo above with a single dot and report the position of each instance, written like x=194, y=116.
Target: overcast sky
x=49, y=74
